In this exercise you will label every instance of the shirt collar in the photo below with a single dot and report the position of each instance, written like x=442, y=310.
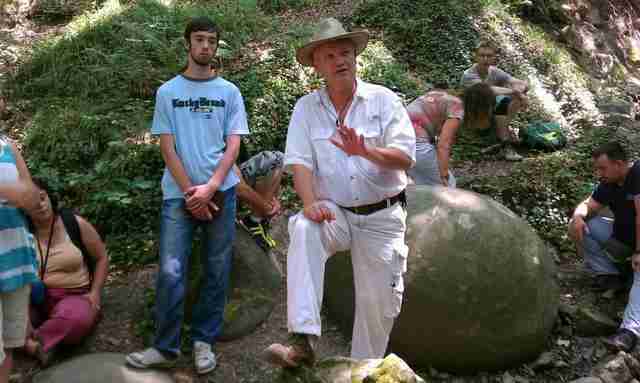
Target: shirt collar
x=363, y=91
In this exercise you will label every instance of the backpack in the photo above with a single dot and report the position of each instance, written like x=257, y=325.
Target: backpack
x=73, y=229
x=543, y=136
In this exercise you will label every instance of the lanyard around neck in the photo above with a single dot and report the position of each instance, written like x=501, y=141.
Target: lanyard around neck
x=342, y=113
x=43, y=264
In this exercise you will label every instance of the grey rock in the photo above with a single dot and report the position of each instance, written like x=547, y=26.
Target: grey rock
x=255, y=285
x=480, y=291
x=589, y=322
x=544, y=361
x=590, y=379
x=507, y=378
x=617, y=106
x=633, y=364
x=99, y=368
x=613, y=369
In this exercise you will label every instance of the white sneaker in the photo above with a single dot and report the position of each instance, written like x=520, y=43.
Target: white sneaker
x=203, y=358
x=511, y=155
x=149, y=358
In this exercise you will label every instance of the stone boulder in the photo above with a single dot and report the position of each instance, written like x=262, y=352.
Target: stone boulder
x=254, y=288
x=391, y=369
x=99, y=368
x=479, y=293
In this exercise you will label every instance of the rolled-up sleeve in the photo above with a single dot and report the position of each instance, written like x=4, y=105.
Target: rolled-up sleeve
x=398, y=131
x=298, y=149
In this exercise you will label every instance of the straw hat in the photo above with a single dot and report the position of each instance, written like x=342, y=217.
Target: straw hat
x=330, y=30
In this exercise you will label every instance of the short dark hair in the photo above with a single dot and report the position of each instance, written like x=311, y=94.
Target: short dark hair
x=613, y=150
x=199, y=24
x=486, y=44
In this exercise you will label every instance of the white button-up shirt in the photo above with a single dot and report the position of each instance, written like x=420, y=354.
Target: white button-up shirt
x=376, y=113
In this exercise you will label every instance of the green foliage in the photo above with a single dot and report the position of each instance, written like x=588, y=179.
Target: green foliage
x=91, y=93
x=377, y=65
x=275, y=6
x=436, y=37
x=270, y=89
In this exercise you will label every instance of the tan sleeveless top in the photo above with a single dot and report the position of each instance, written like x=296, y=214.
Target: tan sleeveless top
x=66, y=267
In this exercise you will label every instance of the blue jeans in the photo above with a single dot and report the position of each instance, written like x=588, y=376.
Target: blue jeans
x=594, y=247
x=176, y=238
x=596, y=260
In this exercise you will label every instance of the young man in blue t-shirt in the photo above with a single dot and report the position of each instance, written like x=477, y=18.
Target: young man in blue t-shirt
x=200, y=118
x=608, y=245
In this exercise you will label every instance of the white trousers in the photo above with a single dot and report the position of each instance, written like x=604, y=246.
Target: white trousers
x=378, y=255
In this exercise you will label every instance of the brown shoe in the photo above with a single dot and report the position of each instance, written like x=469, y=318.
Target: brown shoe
x=298, y=351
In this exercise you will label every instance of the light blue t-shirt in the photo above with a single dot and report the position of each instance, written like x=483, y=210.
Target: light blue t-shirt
x=200, y=114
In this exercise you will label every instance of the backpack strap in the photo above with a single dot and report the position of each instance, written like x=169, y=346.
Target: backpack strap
x=73, y=229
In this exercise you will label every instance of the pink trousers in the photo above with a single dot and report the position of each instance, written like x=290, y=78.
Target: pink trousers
x=66, y=317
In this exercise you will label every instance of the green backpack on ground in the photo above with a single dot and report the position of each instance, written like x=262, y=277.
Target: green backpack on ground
x=543, y=136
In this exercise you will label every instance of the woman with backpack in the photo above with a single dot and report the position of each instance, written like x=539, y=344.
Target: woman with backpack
x=436, y=117
x=73, y=266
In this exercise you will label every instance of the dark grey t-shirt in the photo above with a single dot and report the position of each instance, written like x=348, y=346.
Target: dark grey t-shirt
x=495, y=77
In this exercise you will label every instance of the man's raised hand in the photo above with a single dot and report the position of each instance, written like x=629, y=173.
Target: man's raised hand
x=350, y=142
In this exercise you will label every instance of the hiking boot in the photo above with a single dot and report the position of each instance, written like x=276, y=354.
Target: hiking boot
x=203, y=358
x=300, y=350
x=260, y=232
x=511, y=155
x=150, y=358
x=623, y=340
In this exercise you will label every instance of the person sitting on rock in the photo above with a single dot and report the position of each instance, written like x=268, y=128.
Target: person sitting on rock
x=607, y=243
x=73, y=282
x=510, y=96
x=348, y=146
x=436, y=117
x=259, y=187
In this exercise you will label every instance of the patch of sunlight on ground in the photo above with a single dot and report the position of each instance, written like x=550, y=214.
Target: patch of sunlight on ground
x=86, y=21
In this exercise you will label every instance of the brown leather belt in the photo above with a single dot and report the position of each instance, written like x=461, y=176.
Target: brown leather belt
x=374, y=207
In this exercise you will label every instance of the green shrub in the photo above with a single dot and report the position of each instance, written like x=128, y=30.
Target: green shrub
x=275, y=6
x=434, y=36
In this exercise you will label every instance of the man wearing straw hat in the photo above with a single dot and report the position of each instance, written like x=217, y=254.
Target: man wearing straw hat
x=348, y=147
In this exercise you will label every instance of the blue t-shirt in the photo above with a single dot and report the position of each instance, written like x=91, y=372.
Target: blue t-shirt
x=620, y=201
x=200, y=114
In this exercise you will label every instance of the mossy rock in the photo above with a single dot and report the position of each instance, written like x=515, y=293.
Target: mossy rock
x=99, y=368
x=391, y=369
x=254, y=288
x=480, y=292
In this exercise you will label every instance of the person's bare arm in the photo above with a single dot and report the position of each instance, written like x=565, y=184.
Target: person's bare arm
x=585, y=209
x=249, y=196
x=445, y=142
x=173, y=162
x=519, y=85
x=303, y=184
x=21, y=165
x=21, y=194
x=97, y=249
x=199, y=196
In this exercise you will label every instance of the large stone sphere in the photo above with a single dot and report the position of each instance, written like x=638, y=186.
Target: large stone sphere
x=480, y=293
